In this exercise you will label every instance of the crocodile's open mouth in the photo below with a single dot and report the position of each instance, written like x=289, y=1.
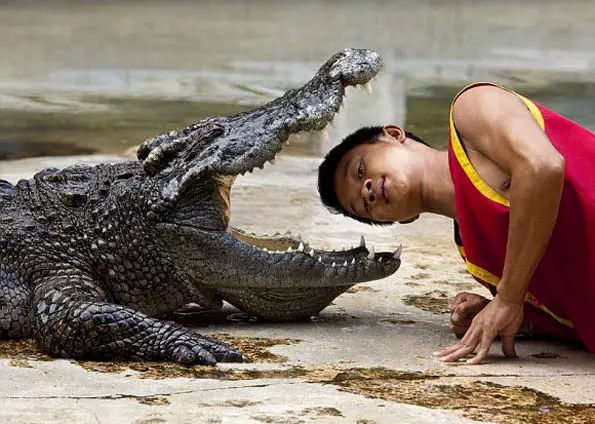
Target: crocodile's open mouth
x=315, y=106
x=216, y=150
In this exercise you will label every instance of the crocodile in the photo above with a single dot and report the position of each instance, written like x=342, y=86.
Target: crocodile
x=93, y=259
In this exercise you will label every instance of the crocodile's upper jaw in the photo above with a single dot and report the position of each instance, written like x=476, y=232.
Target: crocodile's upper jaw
x=312, y=107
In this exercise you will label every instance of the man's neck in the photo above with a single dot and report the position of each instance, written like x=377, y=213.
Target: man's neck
x=437, y=188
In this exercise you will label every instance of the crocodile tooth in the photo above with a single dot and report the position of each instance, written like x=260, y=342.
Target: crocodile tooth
x=372, y=253
x=368, y=87
x=265, y=249
x=397, y=252
x=311, y=253
x=333, y=265
x=320, y=259
x=345, y=263
x=289, y=249
x=353, y=261
x=362, y=241
x=380, y=259
x=301, y=247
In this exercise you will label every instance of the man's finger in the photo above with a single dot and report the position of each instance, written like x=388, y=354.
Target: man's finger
x=458, y=354
x=481, y=355
x=448, y=350
x=466, y=346
x=508, y=346
x=486, y=344
x=464, y=341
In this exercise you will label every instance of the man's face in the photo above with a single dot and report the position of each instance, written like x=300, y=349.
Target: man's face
x=373, y=181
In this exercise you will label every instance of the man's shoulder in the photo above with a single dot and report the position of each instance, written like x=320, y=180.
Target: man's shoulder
x=481, y=95
x=483, y=106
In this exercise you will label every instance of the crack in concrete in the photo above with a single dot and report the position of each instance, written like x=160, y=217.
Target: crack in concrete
x=117, y=396
x=298, y=380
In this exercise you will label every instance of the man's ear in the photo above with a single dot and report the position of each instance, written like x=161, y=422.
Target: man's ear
x=395, y=131
x=410, y=220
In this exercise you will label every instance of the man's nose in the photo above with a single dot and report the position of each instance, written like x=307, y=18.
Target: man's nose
x=368, y=191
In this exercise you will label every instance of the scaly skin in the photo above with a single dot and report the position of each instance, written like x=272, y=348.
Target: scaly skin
x=92, y=257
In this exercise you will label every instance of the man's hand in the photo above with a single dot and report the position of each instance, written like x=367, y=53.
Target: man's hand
x=497, y=318
x=463, y=309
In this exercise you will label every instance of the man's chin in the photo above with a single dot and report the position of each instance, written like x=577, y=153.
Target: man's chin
x=410, y=220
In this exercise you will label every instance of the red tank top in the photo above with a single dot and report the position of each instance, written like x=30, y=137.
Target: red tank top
x=561, y=296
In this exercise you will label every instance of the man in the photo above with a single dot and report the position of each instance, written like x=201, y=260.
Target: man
x=518, y=180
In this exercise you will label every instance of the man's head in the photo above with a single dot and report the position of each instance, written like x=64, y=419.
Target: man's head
x=373, y=176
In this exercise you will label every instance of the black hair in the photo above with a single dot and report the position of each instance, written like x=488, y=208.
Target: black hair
x=326, y=170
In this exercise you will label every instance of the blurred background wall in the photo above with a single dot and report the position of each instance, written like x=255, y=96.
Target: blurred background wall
x=101, y=76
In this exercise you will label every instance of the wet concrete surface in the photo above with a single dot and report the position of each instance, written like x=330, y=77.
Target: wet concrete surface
x=367, y=358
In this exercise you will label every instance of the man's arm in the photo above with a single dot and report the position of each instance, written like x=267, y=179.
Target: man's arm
x=497, y=124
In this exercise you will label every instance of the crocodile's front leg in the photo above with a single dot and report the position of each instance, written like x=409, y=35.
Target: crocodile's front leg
x=72, y=318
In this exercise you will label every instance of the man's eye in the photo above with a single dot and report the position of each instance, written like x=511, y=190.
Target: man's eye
x=360, y=170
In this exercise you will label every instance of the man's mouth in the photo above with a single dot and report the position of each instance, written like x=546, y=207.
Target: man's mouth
x=383, y=189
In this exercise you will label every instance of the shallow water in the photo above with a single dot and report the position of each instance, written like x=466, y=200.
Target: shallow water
x=80, y=77
x=120, y=124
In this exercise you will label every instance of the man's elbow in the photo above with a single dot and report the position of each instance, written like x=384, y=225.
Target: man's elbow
x=551, y=167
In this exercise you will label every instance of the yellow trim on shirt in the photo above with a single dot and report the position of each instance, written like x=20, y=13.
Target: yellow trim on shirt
x=462, y=158
x=493, y=280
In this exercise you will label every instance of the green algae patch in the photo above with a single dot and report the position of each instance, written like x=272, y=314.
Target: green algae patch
x=154, y=400
x=21, y=350
x=478, y=400
x=256, y=349
x=436, y=301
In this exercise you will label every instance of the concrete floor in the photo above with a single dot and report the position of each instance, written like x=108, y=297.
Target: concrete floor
x=366, y=359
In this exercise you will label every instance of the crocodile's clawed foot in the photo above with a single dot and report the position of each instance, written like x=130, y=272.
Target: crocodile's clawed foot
x=195, y=349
